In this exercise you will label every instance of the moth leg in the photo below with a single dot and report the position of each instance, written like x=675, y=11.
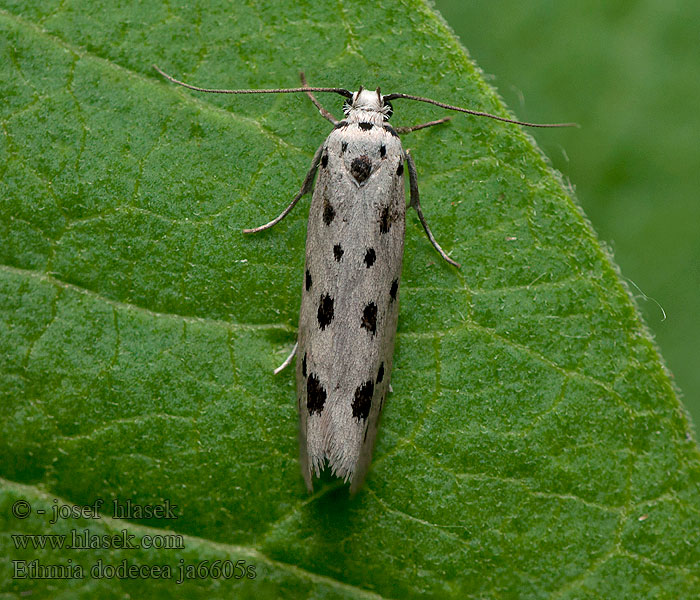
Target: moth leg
x=305, y=189
x=324, y=113
x=421, y=126
x=415, y=203
x=287, y=360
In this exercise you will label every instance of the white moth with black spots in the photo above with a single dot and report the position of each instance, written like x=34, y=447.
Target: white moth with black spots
x=350, y=291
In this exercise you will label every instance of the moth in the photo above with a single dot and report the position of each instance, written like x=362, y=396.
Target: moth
x=350, y=290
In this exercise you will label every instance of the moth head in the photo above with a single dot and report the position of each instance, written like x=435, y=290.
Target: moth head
x=367, y=100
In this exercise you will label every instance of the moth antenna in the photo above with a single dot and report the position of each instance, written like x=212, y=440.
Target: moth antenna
x=341, y=91
x=477, y=113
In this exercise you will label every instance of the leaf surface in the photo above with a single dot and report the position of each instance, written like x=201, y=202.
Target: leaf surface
x=533, y=446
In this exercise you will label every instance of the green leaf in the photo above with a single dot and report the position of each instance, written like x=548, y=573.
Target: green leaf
x=533, y=446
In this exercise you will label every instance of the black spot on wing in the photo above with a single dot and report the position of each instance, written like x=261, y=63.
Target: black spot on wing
x=308, y=280
x=366, y=126
x=370, y=257
x=315, y=395
x=382, y=151
x=385, y=219
x=399, y=171
x=394, y=289
x=343, y=147
x=324, y=161
x=369, y=318
x=325, y=311
x=328, y=211
x=391, y=130
x=303, y=365
x=338, y=252
x=380, y=373
x=362, y=402
x=360, y=168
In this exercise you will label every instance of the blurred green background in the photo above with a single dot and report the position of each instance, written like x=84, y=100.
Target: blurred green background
x=629, y=73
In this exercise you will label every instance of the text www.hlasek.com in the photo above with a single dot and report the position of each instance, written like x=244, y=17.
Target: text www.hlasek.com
x=86, y=540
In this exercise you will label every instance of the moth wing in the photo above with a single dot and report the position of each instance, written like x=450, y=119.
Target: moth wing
x=349, y=308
